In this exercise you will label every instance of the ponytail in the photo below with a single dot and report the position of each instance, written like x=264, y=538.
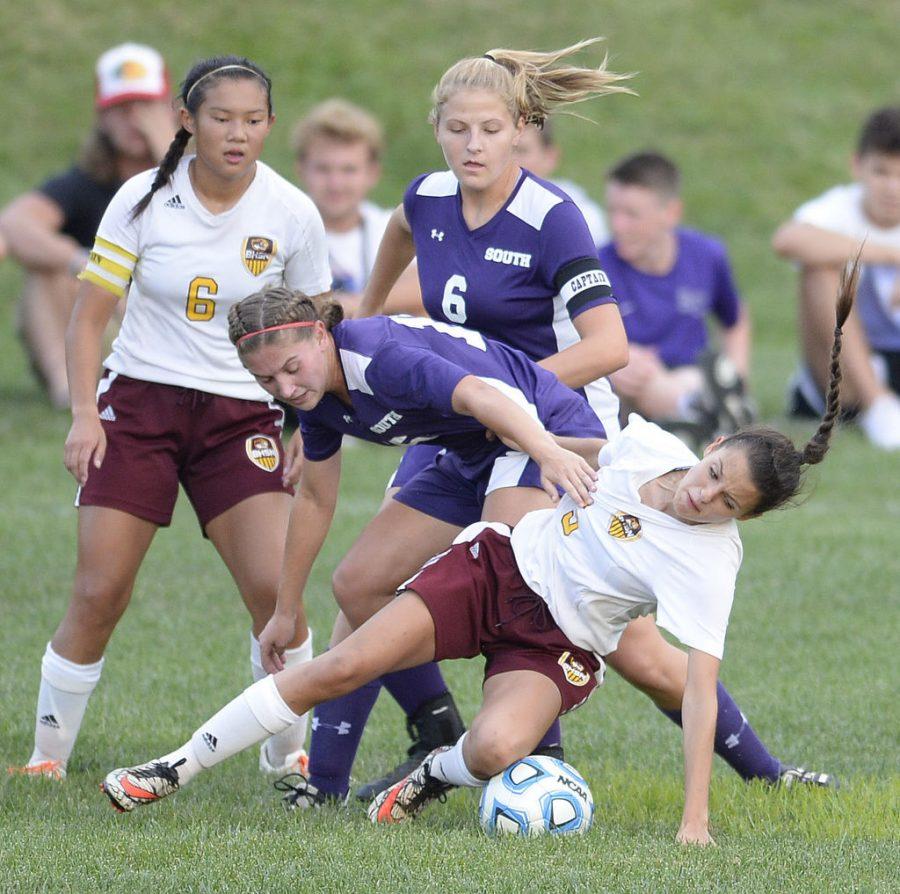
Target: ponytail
x=165, y=170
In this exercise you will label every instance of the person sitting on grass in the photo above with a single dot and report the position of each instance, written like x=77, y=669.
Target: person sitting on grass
x=544, y=604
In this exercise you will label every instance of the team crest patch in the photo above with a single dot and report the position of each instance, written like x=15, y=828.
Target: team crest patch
x=623, y=526
x=263, y=452
x=257, y=252
x=575, y=671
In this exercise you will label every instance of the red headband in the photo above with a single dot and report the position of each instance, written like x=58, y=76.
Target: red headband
x=275, y=329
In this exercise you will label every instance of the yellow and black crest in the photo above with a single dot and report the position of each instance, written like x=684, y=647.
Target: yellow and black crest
x=257, y=252
x=576, y=673
x=262, y=452
x=623, y=526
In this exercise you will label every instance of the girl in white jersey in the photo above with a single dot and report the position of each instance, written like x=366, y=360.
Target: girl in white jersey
x=174, y=404
x=545, y=608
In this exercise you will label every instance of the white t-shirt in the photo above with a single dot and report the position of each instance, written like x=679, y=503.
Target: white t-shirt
x=599, y=568
x=352, y=254
x=840, y=210
x=187, y=266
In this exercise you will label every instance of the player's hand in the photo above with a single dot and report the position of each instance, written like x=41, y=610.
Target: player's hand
x=293, y=460
x=277, y=635
x=562, y=468
x=85, y=446
x=156, y=122
x=694, y=833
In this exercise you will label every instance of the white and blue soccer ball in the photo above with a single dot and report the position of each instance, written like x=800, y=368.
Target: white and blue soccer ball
x=534, y=796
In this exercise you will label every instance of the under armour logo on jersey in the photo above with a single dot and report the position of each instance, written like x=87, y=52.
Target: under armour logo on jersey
x=437, y=234
x=210, y=740
x=348, y=418
x=109, y=414
x=49, y=720
x=175, y=202
x=342, y=729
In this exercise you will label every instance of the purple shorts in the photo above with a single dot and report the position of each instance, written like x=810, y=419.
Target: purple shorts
x=480, y=605
x=221, y=449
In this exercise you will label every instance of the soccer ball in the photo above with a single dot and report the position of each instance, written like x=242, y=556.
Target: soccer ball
x=535, y=795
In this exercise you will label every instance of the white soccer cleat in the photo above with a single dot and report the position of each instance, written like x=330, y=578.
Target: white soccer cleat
x=295, y=762
x=800, y=776
x=48, y=769
x=130, y=787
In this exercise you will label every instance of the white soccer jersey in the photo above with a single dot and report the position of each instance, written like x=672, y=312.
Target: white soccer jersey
x=600, y=567
x=187, y=266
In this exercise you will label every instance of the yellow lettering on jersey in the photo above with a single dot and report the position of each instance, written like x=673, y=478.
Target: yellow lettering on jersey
x=200, y=306
x=569, y=522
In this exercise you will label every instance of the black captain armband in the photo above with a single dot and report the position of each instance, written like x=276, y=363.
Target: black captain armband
x=580, y=282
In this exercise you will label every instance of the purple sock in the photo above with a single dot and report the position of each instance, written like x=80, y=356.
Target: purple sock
x=552, y=738
x=413, y=687
x=737, y=743
x=337, y=727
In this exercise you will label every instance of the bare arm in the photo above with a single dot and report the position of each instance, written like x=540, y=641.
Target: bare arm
x=698, y=712
x=587, y=448
x=499, y=414
x=814, y=247
x=736, y=343
x=86, y=441
x=30, y=225
x=311, y=515
x=395, y=253
x=602, y=350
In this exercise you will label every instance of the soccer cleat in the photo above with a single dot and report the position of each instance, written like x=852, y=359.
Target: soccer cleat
x=296, y=762
x=725, y=396
x=302, y=795
x=800, y=776
x=437, y=722
x=49, y=769
x=130, y=787
x=408, y=797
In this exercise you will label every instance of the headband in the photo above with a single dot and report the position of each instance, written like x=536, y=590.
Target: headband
x=216, y=71
x=275, y=329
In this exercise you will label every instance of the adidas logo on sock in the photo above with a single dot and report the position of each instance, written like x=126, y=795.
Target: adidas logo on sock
x=175, y=202
x=49, y=720
x=109, y=414
x=211, y=741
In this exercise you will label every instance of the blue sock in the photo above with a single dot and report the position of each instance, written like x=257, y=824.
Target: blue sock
x=337, y=727
x=552, y=738
x=736, y=741
x=413, y=687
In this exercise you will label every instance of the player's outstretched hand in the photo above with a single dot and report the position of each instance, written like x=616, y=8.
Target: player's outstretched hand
x=694, y=833
x=86, y=443
x=275, y=638
x=562, y=468
x=293, y=460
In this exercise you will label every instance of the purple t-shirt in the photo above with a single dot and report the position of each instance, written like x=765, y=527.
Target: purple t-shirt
x=669, y=312
x=401, y=373
x=520, y=278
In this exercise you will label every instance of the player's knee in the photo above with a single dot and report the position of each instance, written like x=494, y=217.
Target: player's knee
x=355, y=591
x=99, y=601
x=493, y=747
x=337, y=672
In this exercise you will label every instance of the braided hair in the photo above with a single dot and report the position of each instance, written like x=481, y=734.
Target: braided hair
x=276, y=306
x=194, y=87
x=776, y=466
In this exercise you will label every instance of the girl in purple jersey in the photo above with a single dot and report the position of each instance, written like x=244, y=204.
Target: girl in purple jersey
x=543, y=606
x=561, y=314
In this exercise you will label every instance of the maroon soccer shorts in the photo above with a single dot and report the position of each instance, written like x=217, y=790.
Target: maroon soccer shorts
x=221, y=449
x=480, y=604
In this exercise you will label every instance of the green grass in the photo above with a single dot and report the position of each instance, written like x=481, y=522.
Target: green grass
x=760, y=104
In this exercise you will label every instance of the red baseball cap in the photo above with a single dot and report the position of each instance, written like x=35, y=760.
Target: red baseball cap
x=130, y=71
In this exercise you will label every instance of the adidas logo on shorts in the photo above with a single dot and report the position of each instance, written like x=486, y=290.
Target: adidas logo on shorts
x=109, y=414
x=175, y=202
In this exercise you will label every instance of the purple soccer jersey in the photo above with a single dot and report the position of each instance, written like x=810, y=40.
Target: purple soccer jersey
x=669, y=312
x=401, y=374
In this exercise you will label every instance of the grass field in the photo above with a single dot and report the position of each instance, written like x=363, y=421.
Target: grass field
x=760, y=104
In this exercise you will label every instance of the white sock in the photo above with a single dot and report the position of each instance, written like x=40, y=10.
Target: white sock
x=450, y=766
x=291, y=740
x=259, y=711
x=62, y=700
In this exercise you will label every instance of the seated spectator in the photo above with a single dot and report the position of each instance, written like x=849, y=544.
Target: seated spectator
x=538, y=152
x=821, y=236
x=668, y=280
x=338, y=148
x=49, y=230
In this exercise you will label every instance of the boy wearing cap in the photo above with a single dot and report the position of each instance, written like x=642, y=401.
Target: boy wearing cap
x=821, y=236
x=49, y=230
